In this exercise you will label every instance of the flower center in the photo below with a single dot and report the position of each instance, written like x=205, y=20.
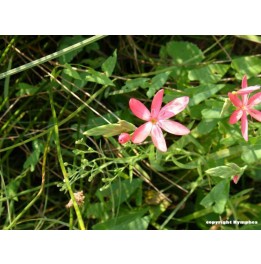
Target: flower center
x=153, y=121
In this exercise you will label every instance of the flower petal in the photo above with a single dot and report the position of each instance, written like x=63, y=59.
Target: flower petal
x=244, y=126
x=234, y=99
x=243, y=86
x=244, y=82
x=156, y=103
x=248, y=90
x=158, y=138
x=236, y=115
x=255, y=99
x=174, y=107
x=139, y=109
x=174, y=127
x=141, y=133
x=255, y=113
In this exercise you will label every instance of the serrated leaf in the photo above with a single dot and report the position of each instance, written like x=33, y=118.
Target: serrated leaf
x=217, y=197
x=109, y=65
x=110, y=130
x=98, y=77
x=184, y=52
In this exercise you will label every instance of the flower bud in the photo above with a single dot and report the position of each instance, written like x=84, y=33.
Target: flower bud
x=236, y=179
x=124, y=137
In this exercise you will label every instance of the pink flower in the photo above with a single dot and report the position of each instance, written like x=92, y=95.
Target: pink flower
x=157, y=119
x=124, y=137
x=245, y=106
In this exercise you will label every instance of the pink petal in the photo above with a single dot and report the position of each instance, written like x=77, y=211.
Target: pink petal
x=174, y=107
x=139, y=109
x=234, y=99
x=156, y=103
x=236, y=115
x=255, y=113
x=158, y=138
x=243, y=86
x=255, y=99
x=248, y=90
x=141, y=133
x=244, y=82
x=244, y=126
x=174, y=127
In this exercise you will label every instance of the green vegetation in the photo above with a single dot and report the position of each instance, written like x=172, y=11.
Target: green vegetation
x=64, y=101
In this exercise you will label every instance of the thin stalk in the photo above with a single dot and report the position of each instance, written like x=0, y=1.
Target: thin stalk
x=51, y=56
x=41, y=189
x=69, y=117
x=60, y=159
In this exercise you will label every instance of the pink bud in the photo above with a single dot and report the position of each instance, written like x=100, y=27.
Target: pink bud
x=124, y=137
x=235, y=179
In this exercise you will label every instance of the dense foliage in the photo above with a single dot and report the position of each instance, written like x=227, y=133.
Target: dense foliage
x=61, y=116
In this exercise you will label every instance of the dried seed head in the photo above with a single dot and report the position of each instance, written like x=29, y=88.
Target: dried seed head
x=79, y=197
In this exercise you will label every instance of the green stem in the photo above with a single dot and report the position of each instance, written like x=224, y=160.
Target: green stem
x=69, y=117
x=51, y=56
x=41, y=189
x=60, y=158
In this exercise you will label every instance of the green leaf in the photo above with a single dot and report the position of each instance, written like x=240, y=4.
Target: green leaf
x=121, y=190
x=205, y=126
x=98, y=77
x=184, y=52
x=208, y=74
x=25, y=89
x=157, y=82
x=202, y=92
x=227, y=171
x=253, y=38
x=33, y=159
x=252, y=154
x=109, y=65
x=224, y=111
x=217, y=198
x=132, y=220
x=66, y=42
x=12, y=188
x=250, y=65
x=134, y=84
x=110, y=130
x=211, y=113
x=71, y=72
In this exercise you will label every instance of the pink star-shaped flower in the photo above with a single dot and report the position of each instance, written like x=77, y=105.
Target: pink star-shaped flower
x=245, y=106
x=158, y=119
